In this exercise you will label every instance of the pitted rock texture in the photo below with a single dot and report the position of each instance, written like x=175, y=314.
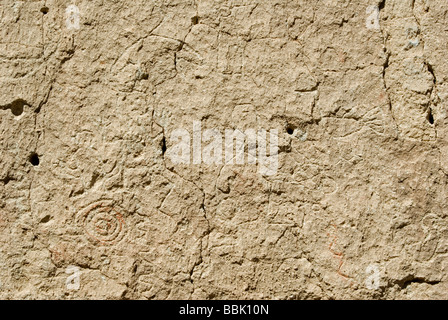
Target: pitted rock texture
x=356, y=209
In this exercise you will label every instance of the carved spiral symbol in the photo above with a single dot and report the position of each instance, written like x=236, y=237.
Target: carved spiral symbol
x=102, y=223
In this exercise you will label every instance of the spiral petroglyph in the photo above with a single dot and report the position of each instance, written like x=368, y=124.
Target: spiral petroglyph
x=102, y=223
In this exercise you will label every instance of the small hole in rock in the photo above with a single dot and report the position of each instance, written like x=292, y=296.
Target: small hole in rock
x=290, y=130
x=430, y=117
x=195, y=20
x=45, y=219
x=44, y=10
x=34, y=159
x=17, y=107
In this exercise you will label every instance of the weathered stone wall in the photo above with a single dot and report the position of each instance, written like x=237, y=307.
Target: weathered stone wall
x=95, y=97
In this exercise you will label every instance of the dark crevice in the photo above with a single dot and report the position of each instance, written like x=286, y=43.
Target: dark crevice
x=314, y=88
x=430, y=116
x=163, y=145
x=6, y=180
x=386, y=64
x=285, y=149
x=75, y=193
x=44, y=9
x=94, y=179
x=408, y=281
x=180, y=46
x=431, y=70
x=175, y=61
x=382, y=5
x=44, y=101
x=45, y=219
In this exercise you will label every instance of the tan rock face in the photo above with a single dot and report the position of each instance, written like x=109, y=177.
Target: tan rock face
x=205, y=149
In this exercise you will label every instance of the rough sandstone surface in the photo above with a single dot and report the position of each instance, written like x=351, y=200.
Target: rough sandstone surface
x=362, y=181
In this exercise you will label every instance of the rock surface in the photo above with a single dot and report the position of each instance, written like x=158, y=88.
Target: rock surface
x=92, y=206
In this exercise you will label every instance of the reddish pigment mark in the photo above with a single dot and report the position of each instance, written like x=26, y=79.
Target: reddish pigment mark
x=338, y=255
